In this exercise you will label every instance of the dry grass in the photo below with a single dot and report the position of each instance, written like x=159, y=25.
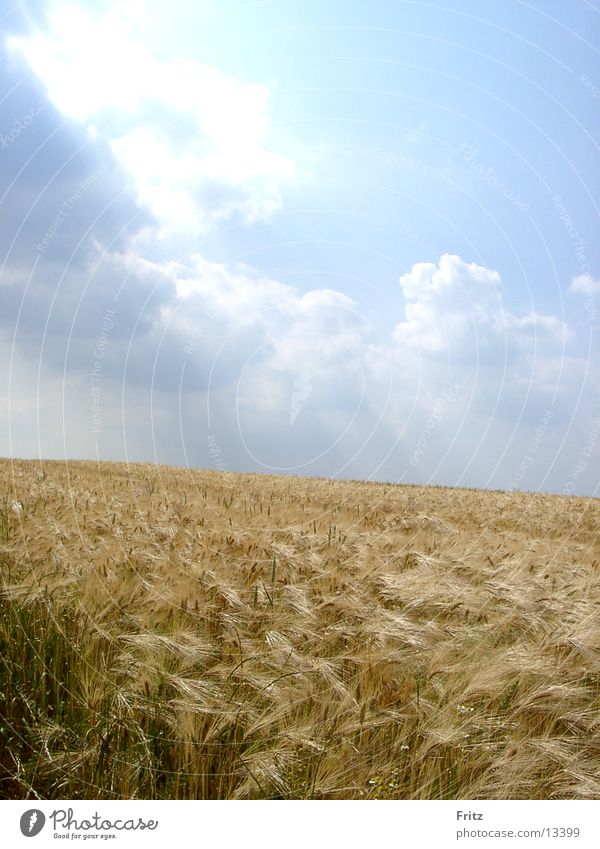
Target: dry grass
x=169, y=633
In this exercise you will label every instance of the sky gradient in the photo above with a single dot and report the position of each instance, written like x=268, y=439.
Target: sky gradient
x=330, y=238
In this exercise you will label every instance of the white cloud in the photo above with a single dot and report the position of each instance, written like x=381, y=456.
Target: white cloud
x=260, y=336
x=444, y=302
x=539, y=324
x=299, y=380
x=585, y=284
x=194, y=140
x=451, y=275
x=454, y=306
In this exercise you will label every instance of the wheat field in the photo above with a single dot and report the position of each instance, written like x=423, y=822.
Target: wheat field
x=181, y=634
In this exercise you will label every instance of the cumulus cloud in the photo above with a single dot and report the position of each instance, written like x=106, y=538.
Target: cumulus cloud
x=454, y=307
x=199, y=354
x=445, y=303
x=195, y=141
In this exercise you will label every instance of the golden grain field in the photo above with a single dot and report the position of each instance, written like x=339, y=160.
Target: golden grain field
x=170, y=633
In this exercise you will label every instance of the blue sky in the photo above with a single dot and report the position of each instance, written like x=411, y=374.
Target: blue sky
x=329, y=238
